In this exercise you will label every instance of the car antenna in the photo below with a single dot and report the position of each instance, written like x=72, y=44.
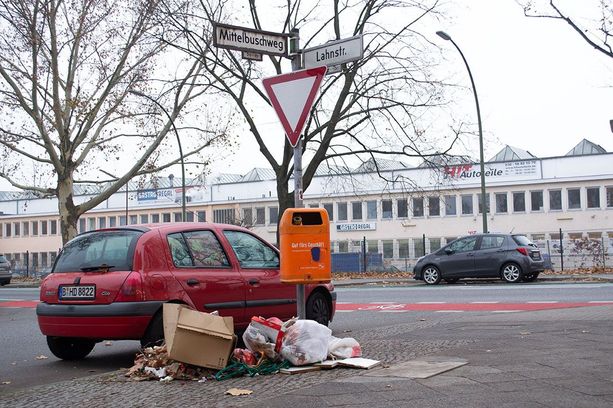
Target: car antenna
x=512, y=230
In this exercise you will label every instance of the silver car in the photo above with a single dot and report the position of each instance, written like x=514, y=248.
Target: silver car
x=510, y=257
x=5, y=271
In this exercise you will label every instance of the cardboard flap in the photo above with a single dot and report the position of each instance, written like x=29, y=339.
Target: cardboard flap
x=170, y=318
x=206, y=323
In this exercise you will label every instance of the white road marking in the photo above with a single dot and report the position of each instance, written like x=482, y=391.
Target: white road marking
x=543, y=301
x=601, y=301
x=505, y=311
x=449, y=311
x=394, y=311
x=485, y=303
x=431, y=303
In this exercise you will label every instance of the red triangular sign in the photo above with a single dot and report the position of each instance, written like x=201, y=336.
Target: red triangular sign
x=292, y=95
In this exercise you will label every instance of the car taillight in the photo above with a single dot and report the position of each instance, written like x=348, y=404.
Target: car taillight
x=522, y=251
x=132, y=289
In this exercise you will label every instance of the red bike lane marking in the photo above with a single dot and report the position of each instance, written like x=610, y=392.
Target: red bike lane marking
x=377, y=307
x=20, y=303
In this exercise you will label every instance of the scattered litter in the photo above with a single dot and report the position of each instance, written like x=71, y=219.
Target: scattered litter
x=6, y=382
x=305, y=342
x=344, y=348
x=166, y=379
x=525, y=333
x=14, y=363
x=327, y=364
x=41, y=357
x=158, y=372
x=585, y=331
x=153, y=363
x=238, y=391
x=359, y=362
x=299, y=370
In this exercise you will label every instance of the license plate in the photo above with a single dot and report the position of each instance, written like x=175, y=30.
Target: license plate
x=84, y=292
x=536, y=255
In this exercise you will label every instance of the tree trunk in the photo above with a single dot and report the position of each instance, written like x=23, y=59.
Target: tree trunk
x=69, y=213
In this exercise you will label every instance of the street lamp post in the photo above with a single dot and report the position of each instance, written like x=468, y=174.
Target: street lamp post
x=447, y=37
x=172, y=122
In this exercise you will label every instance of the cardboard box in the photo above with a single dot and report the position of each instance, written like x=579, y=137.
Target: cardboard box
x=198, y=338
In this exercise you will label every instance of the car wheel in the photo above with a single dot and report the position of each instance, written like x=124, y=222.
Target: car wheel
x=531, y=277
x=431, y=275
x=154, y=335
x=452, y=280
x=68, y=348
x=511, y=273
x=318, y=308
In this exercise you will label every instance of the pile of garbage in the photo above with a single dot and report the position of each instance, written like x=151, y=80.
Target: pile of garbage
x=272, y=346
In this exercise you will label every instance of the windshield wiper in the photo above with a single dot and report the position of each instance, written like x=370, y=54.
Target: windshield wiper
x=103, y=267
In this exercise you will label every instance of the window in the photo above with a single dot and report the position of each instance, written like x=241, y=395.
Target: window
x=450, y=205
x=251, y=252
x=487, y=203
x=403, y=248
x=225, y=216
x=197, y=249
x=177, y=216
x=144, y=218
x=388, y=249
x=342, y=211
x=7, y=229
x=418, y=206
x=155, y=218
x=519, y=202
x=189, y=216
x=435, y=244
x=536, y=198
x=609, y=197
x=53, y=227
x=555, y=199
x=329, y=207
x=419, y=247
x=434, y=206
x=356, y=210
x=44, y=260
x=489, y=242
x=273, y=215
x=166, y=217
x=372, y=246
x=403, y=208
x=260, y=216
x=501, y=203
x=467, y=204
x=463, y=245
x=101, y=222
x=201, y=216
x=25, y=228
x=91, y=224
x=82, y=224
x=248, y=216
x=371, y=210
x=343, y=246
x=386, y=209
x=593, y=197
x=574, y=198
x=113, y=222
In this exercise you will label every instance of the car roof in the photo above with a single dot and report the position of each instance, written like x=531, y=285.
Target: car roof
x=167, y=227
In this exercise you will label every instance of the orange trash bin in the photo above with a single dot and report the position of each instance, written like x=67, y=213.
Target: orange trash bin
x=304, y=235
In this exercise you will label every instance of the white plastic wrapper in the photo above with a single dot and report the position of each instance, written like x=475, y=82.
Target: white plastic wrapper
x=305, y=342
x=256, y=341
x=344, y=348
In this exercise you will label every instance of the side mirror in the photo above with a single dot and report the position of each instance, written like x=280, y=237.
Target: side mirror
x=449, y=251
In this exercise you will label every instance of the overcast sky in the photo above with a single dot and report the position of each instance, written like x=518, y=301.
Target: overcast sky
x=541, y=88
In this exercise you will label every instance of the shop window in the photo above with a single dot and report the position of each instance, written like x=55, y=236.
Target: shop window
x=434, y=206
x=450, y=205
x=555, y=200
x=593, y=197
x=388, y=249
x=356, y=211
x=403, y=208
x=536, y=198
x=386, y=209
x=519, y=202
x=371, y=210
x=501, y=203
x=342, y=211
x=574, y=198
x=403, y=248
x=418, y=206
x=467, y=204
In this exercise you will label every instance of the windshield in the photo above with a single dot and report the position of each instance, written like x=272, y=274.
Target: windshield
x=103, y=250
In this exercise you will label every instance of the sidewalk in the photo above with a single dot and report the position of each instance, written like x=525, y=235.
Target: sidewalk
x=554, y=358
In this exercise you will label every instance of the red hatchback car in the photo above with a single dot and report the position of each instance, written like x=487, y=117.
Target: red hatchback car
x=111, y=283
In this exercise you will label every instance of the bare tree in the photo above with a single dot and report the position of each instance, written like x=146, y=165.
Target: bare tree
x=373, y=108
x=597, y=31
x=82, y=87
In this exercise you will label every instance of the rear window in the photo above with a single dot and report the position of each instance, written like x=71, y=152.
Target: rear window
x=521, y=240
x=108, y=249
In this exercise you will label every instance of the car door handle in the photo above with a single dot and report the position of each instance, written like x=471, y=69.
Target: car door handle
x=193, y=282
x=254, y=282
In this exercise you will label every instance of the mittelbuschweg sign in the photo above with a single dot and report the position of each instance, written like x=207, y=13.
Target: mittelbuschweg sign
x=249, y=40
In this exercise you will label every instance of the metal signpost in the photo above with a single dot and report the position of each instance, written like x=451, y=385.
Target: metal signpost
x=292, y=95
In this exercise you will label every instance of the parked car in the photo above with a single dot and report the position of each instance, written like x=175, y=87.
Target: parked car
x=5, y=271
x=510, y=257
x=112, y=283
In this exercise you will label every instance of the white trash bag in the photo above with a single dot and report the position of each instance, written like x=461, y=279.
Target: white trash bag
x=344, y=348
x=305, y=342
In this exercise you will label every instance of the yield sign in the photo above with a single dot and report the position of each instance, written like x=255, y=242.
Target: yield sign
x=292, y=96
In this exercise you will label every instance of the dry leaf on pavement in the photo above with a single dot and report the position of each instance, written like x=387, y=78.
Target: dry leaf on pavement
x=238, y=391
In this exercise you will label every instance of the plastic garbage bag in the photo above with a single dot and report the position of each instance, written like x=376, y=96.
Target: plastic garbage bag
x=305, y=342
x=264, y=336
x=344, y=348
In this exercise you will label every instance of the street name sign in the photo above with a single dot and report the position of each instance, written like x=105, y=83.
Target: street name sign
x=250, y=40
x=334, y=52
x=292, y=96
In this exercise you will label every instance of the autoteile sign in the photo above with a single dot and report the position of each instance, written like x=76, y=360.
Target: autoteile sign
x=292, y=96
x=526, y=169
x=249, y=40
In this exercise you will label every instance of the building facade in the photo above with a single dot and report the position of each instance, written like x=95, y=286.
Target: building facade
x=398, y=211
